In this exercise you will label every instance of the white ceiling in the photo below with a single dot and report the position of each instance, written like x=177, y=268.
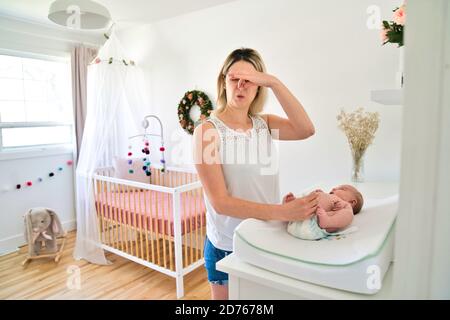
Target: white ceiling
x=124, y=13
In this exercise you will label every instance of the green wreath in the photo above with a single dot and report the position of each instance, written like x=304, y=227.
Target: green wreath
x=190, y=99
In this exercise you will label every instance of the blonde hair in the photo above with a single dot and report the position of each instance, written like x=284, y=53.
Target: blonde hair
x=248, y=55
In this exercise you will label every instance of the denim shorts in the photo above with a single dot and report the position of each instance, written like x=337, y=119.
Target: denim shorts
x=213, y=255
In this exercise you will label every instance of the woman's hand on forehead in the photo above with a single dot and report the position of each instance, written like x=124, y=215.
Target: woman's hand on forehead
x=251, y=78
x=242, y=81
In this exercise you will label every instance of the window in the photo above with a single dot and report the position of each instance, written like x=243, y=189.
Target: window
x=35, y=102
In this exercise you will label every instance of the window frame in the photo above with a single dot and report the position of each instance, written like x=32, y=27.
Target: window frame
x=41, y=149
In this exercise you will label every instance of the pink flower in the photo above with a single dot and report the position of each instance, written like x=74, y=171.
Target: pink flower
x=97, y=60
x=383, y=35
x=400, y=16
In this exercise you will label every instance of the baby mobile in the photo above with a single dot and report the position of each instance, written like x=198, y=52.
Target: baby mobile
x=146, y=147
x=29, y=183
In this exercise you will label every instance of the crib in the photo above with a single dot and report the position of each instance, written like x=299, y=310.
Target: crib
x=160, y=224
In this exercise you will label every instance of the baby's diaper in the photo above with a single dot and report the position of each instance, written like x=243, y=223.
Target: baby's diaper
x=309, y=230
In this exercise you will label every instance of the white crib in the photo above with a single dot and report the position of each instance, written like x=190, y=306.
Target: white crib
x=160, y=225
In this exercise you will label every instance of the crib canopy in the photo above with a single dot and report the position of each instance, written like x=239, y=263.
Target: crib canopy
x=116, y=105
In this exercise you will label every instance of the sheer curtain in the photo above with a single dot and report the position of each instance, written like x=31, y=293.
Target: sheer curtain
x=116, y=105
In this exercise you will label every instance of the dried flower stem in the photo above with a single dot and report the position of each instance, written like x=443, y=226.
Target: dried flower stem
x=359, y=128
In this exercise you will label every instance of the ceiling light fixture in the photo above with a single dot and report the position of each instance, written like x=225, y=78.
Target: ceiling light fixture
x=79, y=14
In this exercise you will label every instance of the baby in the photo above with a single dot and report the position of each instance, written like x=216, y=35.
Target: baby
x=334, y=212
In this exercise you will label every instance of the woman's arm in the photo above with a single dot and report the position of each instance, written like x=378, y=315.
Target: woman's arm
x=209, y=169
x=297, y=126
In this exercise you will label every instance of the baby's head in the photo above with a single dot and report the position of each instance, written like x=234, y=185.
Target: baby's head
x=351, y=195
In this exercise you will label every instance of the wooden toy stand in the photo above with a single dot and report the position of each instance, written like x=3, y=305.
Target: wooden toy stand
x=60, y=242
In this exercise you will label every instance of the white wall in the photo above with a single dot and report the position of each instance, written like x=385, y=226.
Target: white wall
x=58, y=192
x=322, y=50
x=422, y=243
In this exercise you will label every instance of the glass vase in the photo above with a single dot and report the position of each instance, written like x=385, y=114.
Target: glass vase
x=400, y=74
x=357, y=168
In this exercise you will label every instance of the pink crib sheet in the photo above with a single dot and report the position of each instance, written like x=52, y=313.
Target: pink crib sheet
x=126, y=208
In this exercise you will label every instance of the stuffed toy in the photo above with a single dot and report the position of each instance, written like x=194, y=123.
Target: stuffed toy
x=42, y=225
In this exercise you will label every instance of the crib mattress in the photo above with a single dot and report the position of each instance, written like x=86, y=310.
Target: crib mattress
x=150, y=209
x=354, y=262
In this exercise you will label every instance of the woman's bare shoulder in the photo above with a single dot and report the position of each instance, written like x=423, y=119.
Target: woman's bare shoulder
x=204, y=130
x=205, y=125
x=265, y=117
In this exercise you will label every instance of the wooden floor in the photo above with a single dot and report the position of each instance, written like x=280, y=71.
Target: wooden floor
x=124, y=279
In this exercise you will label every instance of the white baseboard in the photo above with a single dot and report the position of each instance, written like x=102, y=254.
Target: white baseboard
x=11, y=244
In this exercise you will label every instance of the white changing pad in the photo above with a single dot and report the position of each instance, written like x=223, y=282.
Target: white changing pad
x=355, y=262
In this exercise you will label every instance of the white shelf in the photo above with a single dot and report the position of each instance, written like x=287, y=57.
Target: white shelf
x=387, y=97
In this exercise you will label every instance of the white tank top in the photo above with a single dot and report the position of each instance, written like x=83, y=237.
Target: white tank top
x=250, y=167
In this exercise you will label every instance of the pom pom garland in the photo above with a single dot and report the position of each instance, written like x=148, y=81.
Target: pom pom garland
x=29, y=183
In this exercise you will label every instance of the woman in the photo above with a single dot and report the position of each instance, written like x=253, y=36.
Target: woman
x=236, y=190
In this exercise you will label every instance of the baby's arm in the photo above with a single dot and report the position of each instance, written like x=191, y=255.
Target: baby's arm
x=334, y=220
